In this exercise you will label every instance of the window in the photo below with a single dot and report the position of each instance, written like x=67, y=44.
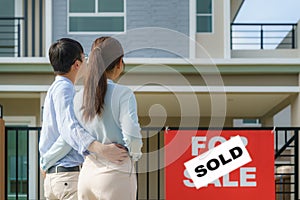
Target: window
x=251, y=121
x=204, y=16
x=96, y=16
x=246, y=123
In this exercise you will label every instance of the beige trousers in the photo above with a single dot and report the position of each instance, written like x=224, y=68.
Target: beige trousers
x=62, y=185
x=102, y=180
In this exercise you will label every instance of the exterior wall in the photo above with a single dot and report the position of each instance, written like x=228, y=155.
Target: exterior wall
x=21, y=107
x=172, y=15
x=295, y=107
x=212, y=45
x=278, y=53
x=235, y=6
x=26, y=79
x=283, y=118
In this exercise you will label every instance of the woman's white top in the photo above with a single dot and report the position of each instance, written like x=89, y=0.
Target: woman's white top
x=118, y=122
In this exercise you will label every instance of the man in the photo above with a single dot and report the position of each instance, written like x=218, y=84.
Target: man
x=60, y=124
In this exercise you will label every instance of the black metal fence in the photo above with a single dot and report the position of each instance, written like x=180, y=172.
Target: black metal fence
x=263, y=36
x=17, y=145
x=287, y=163
x=150, y=174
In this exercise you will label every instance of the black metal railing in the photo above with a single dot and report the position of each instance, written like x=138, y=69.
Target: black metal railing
x=150, y=170
x=287, y=163
x=24, y=36
x=10, y=36
x=263, y=36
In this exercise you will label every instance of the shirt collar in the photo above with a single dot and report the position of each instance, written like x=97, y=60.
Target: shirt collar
x=109, y=81
x=62, y=78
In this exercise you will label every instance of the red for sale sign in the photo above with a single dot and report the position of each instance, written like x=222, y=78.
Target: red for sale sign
x=255, y=180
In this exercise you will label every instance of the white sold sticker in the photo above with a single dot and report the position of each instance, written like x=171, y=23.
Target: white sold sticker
x=217, y=162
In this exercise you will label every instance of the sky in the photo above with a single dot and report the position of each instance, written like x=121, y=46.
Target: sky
x=269, y=11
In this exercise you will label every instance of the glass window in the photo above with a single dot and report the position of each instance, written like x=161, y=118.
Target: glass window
x=96, y=16
x=204, y=24
x=250, y=121
x=204, y=16
x=80, y=6
x=204, y=6
x=110, y=5
x=8, y=34
x=96, y=24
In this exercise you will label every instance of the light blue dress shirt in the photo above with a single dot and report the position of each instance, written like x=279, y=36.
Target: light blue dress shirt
x=118, y=123
x=59, y=121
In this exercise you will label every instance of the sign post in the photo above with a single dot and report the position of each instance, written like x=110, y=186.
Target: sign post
x=254, y=180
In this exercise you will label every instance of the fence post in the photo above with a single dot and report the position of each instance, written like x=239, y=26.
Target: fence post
x=2, y=156
x=261, y=37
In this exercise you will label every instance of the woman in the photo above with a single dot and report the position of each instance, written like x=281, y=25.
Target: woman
x=108, y=111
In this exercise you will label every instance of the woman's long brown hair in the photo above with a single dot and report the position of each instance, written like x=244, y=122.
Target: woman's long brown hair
x=95, y=84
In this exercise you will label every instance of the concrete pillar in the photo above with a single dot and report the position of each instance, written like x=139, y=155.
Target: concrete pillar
x=2, y=157
x=267, y=122
x=295, y=112
x=295, y=108
x=298, y=37
x=295, y=121
x=42, y=101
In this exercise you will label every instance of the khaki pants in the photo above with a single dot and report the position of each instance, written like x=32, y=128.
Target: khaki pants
x=62, y=185
x=101, y=180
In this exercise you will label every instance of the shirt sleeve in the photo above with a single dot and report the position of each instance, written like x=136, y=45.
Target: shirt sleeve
x=57, y=151
x=129, y=124
x=69, y=128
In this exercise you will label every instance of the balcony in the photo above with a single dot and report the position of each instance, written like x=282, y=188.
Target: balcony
x=10, y=36
x=253, y=40
x=22, y=36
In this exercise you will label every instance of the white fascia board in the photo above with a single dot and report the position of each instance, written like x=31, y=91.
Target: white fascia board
x=192, y=29
x=171, y=88
x=235, y=61
x=168, y=61
x=24, y=88
x=25, y=60
x=216, y=89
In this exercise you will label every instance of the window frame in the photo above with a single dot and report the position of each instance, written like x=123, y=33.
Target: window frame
x=205, y=14
x=96, y=14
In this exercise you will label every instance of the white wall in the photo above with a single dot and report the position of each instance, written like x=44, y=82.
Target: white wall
x=213, y=44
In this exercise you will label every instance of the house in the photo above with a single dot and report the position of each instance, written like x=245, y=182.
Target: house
x=184, y=60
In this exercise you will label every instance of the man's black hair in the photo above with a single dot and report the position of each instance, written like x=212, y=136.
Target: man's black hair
x=63, y=54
